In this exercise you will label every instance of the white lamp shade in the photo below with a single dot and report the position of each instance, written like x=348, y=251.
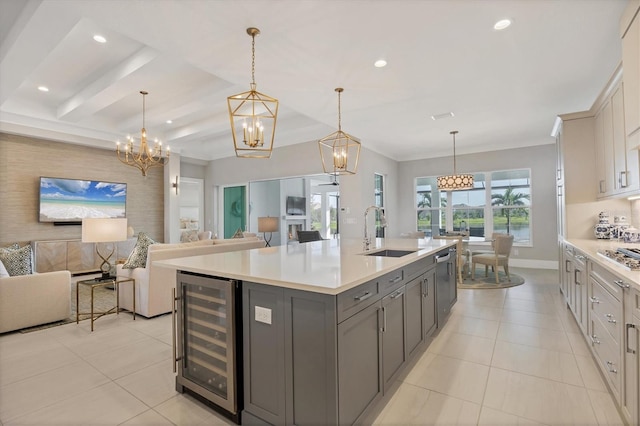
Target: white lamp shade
x=267, y=224
x=103, y=230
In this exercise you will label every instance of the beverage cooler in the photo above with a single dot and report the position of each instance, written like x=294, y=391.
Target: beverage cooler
x=206, y=340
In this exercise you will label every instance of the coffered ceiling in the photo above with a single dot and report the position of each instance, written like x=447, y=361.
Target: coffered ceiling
x=504, y=87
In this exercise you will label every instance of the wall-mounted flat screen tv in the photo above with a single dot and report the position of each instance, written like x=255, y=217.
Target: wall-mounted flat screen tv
x=71, y=200
x=296, y=206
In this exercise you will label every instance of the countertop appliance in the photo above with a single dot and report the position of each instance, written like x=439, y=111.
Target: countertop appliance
x=626, y=257
x=446, y=287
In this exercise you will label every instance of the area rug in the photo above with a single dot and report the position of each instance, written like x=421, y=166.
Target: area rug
x=103, y=300
x=482, y=282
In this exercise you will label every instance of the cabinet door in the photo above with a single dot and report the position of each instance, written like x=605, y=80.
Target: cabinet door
x=603, y=176
x=393, y=334
x=415, y=315
x=625, y=154
x=580, y=306
x=567, y=280
x=429, y=301
x=631, y=395
x=359, y=363
x=631, y=77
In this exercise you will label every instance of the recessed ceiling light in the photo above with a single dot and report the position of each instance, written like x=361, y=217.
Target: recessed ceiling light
x=99, y=38
x=169, y=121
x=502, y=24
x=43, y=88
x=441, y=116
x=380, y=63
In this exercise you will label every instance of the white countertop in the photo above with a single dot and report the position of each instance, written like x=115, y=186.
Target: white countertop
x=591, y=248
x=328, y=267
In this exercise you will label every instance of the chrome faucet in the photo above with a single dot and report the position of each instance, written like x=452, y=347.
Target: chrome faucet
x=383, y=223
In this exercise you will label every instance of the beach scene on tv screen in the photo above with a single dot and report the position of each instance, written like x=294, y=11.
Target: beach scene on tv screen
x=72, y=200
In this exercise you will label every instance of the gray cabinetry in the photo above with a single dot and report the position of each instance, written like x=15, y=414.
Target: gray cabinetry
x=393, y=334
x=359, y=363
x=264, y=375
x=312, y=358
x=429, y=301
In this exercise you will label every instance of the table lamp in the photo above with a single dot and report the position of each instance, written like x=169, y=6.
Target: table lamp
x=104, y=230
x=267, y=224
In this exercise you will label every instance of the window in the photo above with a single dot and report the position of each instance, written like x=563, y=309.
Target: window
x=511, y=201
x=500, y=201
x=378, y=200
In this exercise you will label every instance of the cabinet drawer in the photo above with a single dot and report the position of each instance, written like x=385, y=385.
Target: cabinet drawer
x=417, y=268
x=634, y=298
x=607, y=280
x=607, y=354
x=607, y=309
x=356, y=299
x=391, y=281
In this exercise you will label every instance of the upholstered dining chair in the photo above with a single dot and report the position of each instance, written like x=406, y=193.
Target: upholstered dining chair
x=307, y=236
x=501, y=244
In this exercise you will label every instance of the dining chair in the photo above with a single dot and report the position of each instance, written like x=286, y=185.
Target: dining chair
x=501, y=245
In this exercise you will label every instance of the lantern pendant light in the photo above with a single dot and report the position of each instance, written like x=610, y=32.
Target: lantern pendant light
x=253, y=116
x=339, y=151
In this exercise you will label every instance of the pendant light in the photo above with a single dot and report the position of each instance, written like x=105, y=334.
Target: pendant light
x=146, y=157
x=253, y=116
x=455, y=181
x=339, y=151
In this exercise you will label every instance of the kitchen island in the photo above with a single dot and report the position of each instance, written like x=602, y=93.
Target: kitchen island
x=327, y=328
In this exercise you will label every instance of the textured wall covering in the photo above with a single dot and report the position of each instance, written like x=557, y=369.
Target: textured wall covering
x=23, y=160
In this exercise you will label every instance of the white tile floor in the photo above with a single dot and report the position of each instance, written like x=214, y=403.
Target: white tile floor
x=505, y=357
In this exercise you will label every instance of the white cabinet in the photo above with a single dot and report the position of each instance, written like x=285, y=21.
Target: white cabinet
x=630, y=31
x=631, y=395
x=616, y=161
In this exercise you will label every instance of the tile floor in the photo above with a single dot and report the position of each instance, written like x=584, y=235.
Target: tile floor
x=505, y=357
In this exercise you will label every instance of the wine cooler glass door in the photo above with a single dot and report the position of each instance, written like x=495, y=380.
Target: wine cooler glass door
x=208, y=337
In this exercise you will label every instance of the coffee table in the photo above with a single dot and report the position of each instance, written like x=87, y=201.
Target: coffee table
x=99, y=282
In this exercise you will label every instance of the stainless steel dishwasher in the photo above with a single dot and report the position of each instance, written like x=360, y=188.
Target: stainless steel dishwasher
x=446, y=288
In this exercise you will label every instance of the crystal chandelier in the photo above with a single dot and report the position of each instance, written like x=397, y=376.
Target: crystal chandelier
x=146, y=157
x=339, y=151
x=253, y=116
x=455, y=181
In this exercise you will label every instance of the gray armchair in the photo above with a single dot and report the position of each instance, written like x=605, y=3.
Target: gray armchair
x=307, y=236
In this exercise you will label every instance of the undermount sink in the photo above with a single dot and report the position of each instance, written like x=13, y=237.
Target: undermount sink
x=390, y=253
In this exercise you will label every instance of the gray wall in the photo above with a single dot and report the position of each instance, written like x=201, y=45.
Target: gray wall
x=356, y=191
x=23, y=160
x=540, y=159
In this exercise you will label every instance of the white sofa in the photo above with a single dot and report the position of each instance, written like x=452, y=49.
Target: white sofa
x=30, y=300
x=154, y=283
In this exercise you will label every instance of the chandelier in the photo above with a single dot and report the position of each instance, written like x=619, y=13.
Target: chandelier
x=339, y=151
x=455, y=181
x=253, y=116
x=146, y=157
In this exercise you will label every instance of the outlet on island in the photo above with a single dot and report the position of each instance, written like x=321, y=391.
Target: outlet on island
x=263, y=315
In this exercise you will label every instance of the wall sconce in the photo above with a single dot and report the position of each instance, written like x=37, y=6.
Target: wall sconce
x=175, y=185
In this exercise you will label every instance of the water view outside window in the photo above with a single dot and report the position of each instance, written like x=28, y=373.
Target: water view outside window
x=504, y=197
x=511, y=201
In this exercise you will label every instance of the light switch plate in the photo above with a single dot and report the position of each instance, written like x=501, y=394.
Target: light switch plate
x=263, y=315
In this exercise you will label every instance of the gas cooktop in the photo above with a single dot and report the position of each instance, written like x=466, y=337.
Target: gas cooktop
x=628, y=258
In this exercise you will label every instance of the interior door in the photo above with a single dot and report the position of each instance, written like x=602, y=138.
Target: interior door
x=235, y=209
